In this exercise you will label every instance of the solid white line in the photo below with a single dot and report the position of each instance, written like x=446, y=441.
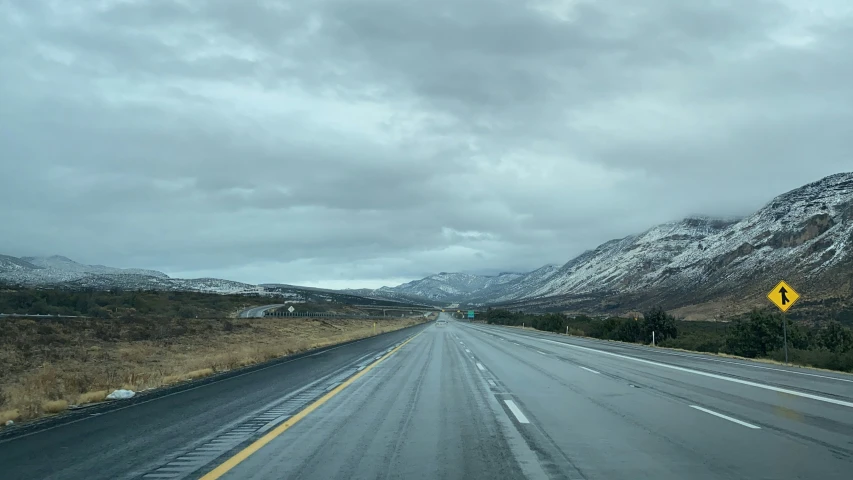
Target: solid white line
x=713, y=375
x=744, y=363
x=481, y=367
x=739, y=422
x=590, y=370
x=516, y=411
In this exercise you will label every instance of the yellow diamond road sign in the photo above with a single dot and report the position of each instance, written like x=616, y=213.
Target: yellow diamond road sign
x=783, y=296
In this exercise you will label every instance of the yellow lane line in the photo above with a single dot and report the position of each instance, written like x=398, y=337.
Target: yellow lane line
x=232, y=462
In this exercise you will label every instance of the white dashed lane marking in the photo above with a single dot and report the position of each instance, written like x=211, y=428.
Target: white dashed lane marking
x=516, y=411
x=726, y=417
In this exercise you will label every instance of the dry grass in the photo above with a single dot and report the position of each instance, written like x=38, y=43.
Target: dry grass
x=45, y=366
x=7, y=415
x=195, y=374
x=54, y=406
x=92, y=397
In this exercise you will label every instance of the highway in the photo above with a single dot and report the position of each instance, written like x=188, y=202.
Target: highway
x=470, y=401
x=258, y=312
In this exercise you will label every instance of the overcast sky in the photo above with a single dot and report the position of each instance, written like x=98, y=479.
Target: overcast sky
x=349, y=143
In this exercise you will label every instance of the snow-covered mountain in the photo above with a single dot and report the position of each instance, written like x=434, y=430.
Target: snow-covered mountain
x=448, y=286
x=144, y=282
x=805, y=235
x=13, y=264
x=635, y=262
x=519, y=287
x=62, y=271
x=64, y=264
x=613, y=265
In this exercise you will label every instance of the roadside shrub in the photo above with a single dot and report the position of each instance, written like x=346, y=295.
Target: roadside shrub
x=615, y=328
x=755, y=336
x=834, y=337
x=661, y=323
x=699, y=342
x=816, y=358
x=99, y=312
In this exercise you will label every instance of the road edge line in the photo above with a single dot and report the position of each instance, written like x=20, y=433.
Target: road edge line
x=712, y=375
x=245, y=453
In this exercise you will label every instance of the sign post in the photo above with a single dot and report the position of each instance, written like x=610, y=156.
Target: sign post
x=784, y=297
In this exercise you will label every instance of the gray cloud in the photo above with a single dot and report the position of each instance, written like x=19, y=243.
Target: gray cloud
x=377, y=141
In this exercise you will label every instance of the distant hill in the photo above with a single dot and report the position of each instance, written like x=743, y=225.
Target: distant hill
x=61, y=271
x=446, y=287
x=65, y=264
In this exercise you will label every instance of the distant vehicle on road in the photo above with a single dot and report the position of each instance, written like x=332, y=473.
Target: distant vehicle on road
x=441, y=323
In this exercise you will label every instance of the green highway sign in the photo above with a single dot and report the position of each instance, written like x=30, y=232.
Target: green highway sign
x=470, y=313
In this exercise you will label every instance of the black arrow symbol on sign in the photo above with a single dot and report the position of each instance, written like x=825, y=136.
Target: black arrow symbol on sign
x=784, y=297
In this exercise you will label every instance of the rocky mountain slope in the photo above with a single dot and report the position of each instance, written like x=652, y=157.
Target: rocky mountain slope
x=803, y=236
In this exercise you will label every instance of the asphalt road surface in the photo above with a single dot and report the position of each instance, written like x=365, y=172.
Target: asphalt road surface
x=471, y=401
x=258, y=312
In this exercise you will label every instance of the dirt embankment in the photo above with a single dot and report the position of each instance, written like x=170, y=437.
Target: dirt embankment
x=48, y=365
